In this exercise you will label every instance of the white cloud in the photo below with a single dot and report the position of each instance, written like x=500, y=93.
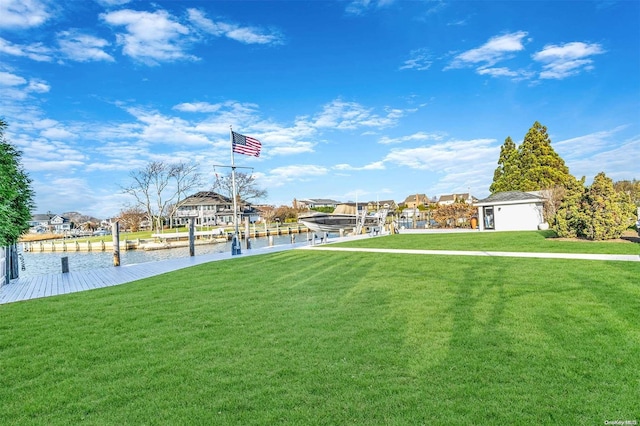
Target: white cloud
x=420, y=60
x=197, y=107
x=43, y=154
x=18, y=88
x=497, y=72
x=358, y=7
x=38, y=86
x=562, y=61
x=158, y=128
x=8, y=79
x=57, y=133
x=351, y=115
x=23, y=13
x=151, y=38
x=420, y=136
x=83, y=47
x=376, y=165
x=618, y=161
x=586, y=145
x=451, y=155
x=246, y=35
x=497, y=49
x=70, y=193
x=110, y=3
x=35, y=51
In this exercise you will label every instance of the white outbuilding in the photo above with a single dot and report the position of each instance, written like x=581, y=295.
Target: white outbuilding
x=511, y=211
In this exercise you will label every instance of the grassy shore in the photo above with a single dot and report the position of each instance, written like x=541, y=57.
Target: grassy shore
x=518, y=241
x=303, y=337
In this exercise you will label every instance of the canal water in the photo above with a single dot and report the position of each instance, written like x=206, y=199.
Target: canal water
x=35, y=263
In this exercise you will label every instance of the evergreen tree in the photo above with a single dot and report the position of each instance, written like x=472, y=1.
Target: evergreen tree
x=595, y=213
x=16, y=195
x=570, y=219
x=631, y=187
x=540, y=165
x=610, y=212
x=507, y=175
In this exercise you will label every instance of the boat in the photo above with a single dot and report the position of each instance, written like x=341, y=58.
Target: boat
x=344, y=218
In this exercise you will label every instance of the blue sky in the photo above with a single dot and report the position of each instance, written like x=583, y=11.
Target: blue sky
x=370, y=99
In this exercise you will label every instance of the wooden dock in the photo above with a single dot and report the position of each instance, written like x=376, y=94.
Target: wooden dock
x=55, y=284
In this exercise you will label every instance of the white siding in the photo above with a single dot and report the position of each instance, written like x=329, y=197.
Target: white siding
x=513, y=217
x=518, y=217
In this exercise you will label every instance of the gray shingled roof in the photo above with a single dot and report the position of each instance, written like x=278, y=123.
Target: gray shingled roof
x=501, y=197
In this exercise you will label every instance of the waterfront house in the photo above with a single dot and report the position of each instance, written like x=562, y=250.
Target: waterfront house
x=212, y=209
x=40, y=223
x=60, y=224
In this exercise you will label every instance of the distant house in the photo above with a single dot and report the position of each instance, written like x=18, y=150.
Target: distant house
x=40, y=223
x=312, y=203
x=382, y=204
x=212, y=209
x=510, y=211
x=60, y=224
x=453, y=198
x=416, y=200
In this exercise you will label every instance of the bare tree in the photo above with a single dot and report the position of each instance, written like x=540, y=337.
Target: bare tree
x=247, y=188
x=186, y=178
x=132, y=218
x=159, y=185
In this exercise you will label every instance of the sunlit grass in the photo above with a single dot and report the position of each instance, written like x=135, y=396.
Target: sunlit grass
x=305, y=337
x=526, y=241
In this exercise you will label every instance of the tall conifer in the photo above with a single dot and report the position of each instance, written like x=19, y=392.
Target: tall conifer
x=541, y=166
x=507, y=175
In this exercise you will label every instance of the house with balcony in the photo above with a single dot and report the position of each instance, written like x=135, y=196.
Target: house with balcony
x=40, y=223
x=60, y=224
x=212, y=209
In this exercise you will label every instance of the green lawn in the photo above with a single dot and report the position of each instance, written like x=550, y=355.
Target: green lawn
x=519, y=241
x=303, y=337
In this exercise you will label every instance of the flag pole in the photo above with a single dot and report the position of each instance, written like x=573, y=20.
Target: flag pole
x=235, y=243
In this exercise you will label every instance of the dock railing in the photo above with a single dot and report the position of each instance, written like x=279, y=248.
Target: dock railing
x=3, y=266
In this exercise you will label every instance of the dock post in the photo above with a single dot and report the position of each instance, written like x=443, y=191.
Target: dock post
x=115, y=231
x=65, y=264
x=270, y=240
x=192, y=243
x=247, y=233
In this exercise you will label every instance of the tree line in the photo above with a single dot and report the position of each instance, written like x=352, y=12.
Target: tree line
x=602, y=210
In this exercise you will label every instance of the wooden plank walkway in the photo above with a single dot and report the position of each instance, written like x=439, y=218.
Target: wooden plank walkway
x=74, y=281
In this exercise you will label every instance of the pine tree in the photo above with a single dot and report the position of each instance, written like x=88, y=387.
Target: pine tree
x=507, y=175
x=16, y=195
x=540, y=165
x=570, y=219
x=610, y=212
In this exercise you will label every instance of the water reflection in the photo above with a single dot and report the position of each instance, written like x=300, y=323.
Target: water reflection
x=35, y=263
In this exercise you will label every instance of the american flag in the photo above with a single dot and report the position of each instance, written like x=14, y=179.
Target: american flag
x=246, y=145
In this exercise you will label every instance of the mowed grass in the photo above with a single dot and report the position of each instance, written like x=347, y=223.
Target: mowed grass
x=516, y=241
x=303, y=337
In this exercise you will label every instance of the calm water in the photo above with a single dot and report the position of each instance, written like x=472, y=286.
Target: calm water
x=33, y=263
